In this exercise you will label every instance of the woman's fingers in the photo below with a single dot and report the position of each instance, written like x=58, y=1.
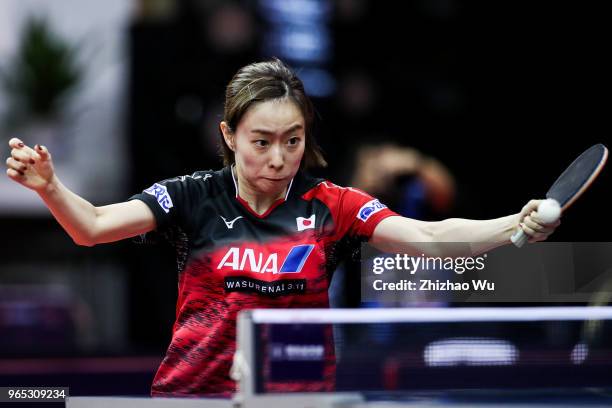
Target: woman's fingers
x=535, y=228
x=537, y=225
x=530, y=207
x=16, y=143
x=15, y=175
x=31, y=167
x=534, y=236
x=534, y=217
x=42, y=152
x=22, y=156
x=16, y=165
x=527, y=229
x=532, y=224
x=22, y=151
x=539, y=236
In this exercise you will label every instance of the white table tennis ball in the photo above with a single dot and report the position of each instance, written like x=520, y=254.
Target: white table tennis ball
x=549, y=211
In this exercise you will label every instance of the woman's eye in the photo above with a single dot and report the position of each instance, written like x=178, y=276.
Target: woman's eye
x=294, y=141
x=261, y=143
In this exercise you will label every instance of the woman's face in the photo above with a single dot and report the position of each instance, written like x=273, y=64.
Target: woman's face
x=268, y=144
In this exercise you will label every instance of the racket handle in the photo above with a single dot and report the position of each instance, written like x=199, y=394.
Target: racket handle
x=519, y=238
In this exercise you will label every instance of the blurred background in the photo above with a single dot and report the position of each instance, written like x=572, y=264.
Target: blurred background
x=491, y=99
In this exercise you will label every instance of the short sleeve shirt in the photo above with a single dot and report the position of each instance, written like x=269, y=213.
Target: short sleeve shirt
x=231, y=258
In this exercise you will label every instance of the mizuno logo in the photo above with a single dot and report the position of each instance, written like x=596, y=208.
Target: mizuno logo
x=230, y=224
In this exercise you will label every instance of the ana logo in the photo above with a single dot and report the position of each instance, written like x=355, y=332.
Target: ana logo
x=370, y=208
x=161, y=194
x=305, y=223
x=239, y=260
x=230, y=224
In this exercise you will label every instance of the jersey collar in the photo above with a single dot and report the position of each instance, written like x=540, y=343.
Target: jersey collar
x=234, y=178
x=246, y=205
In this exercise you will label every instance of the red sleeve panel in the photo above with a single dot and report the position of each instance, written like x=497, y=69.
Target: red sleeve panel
x=355, y=213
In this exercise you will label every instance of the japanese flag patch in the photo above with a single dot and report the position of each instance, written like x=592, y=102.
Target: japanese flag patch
x=305, y=223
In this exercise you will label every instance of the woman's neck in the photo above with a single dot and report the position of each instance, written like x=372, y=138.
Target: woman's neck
x=258, y=201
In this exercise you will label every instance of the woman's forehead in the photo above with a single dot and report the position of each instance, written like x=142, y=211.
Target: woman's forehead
x=273, y=116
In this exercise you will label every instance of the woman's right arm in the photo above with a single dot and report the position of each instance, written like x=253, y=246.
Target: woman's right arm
x=86, y=224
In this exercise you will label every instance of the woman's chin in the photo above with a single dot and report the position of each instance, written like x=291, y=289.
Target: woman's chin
x=270, y=186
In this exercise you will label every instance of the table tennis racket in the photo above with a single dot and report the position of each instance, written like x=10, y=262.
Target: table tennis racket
x=572, y=183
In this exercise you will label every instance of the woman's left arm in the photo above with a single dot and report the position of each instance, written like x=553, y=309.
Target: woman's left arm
x=482, y=235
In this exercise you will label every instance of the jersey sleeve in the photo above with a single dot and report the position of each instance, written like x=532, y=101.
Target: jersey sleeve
x=355, y=212
x=360, y=213
x=172, y=200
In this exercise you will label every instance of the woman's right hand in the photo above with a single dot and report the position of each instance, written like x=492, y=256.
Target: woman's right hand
x=30, y=167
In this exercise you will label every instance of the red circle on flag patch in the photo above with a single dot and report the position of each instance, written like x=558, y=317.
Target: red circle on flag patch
x=306, y=222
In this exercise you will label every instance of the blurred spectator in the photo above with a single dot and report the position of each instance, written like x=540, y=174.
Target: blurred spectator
x=409, y=182
x=403, y=177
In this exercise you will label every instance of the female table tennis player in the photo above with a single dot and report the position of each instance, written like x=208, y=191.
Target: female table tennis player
x=259, y=232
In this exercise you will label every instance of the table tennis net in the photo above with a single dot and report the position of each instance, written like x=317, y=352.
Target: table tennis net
x=387, y=350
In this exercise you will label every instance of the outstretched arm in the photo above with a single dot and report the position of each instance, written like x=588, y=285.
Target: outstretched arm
x=429, y=237
x=86, y=224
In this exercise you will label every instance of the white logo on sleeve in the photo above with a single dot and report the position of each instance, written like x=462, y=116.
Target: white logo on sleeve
x=305, y=223
x=230, y=224
x=370, y=208
x=160, y=192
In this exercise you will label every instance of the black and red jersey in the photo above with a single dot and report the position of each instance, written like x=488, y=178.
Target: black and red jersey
x=230, y=258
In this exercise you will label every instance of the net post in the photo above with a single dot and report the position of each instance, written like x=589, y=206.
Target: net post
x=244, y=359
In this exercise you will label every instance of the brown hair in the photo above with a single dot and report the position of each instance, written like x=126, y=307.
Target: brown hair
x=265, y=81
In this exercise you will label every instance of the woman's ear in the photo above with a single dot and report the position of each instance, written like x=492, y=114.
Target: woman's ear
x=228, y=135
